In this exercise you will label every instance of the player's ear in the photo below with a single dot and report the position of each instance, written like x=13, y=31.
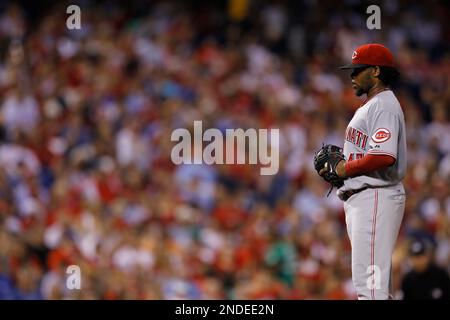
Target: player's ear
x=376, y=71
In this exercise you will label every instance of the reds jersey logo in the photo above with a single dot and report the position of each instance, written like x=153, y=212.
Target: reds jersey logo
x=381, y=135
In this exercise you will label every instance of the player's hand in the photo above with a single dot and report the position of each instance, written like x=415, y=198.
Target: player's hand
x=340, y=169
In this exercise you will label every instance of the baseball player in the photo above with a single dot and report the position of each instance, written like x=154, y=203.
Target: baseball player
x=375, y=153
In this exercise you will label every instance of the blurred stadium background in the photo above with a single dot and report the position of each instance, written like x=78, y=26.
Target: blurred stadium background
x=85, y=123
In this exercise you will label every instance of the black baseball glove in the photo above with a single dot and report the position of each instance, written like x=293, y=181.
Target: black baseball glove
x=328, y=157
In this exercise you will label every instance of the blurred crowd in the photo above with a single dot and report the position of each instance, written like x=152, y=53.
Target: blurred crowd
x=86, y=117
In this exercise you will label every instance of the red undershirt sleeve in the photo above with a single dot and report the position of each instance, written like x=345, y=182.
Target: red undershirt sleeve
x=367, y=164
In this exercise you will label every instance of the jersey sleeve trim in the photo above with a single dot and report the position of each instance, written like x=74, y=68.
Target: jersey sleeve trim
x=379, y=152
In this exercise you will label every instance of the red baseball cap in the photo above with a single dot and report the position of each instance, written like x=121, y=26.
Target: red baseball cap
x=372, y=54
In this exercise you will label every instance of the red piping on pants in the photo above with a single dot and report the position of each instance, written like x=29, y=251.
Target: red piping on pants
x=372, y=251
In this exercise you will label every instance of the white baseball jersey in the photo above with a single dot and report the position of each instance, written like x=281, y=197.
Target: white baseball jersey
x=377, y=127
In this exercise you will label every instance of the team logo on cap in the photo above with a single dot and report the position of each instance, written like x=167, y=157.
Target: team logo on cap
x=354, y=54
x=381, y=135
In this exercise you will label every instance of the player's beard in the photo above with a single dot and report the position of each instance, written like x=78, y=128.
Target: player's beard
x=358, y=90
